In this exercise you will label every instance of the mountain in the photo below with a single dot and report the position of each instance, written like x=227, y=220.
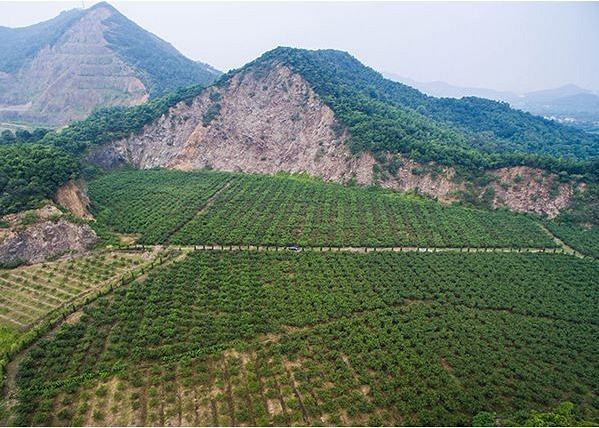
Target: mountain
x=549, y=95
x=326, y=114
x=60, y=70
x=380, y=115
x=568, y=104
x=445, y=90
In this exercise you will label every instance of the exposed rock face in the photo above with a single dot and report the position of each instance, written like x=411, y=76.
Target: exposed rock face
x=65, y=79
x=271, y=121
x=265, y=124
x=50, y=236
x=73, y=196
x=528, y=189
x=439, y=185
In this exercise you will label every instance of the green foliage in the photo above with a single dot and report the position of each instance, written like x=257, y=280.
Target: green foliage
x=22, y=136
x=12, y=264
x=105, y=236
x=154, y=203
x=437, y=337
x=484, y=419
x=266, y=210
x=582, y=239
x=29, y=218
x=8, y=336
x=578, y=226
x=472, y=132
x=562, y=416
x=30, y=173
x=161, y=67
x=584, y=208
x=210, y=114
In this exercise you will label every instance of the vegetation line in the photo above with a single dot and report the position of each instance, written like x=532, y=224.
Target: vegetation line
x=562, y=244
x=200, y=209
x=55, y=318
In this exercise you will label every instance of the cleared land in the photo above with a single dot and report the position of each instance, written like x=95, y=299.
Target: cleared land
x=190, y=208
x=243, y=338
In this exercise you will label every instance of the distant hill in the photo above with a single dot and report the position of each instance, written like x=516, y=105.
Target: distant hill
x=568, y=104
x=60, y=70
x=446, y=90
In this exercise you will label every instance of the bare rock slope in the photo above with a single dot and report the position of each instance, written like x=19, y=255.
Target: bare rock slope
x=271, y=120
x=67, y=77
x=67, y=80
x=38, y=235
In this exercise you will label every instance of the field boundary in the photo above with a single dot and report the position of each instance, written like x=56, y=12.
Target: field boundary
x=59, y=315
x=347, y=249
x=199, y=210
x=561, y=243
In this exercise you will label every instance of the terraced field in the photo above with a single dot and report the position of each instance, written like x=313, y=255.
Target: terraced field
x=30, y=292
x=258, y=338
x=34, y=298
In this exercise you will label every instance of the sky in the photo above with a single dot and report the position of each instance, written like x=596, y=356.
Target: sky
x=509, y=46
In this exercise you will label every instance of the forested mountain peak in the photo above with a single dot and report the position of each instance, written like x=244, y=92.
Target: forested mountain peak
x=383, y=115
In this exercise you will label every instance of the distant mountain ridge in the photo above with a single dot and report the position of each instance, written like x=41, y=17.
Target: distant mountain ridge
x=60, y=70
x=568, y=104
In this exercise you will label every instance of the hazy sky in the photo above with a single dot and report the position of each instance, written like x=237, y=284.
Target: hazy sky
x=506, y=46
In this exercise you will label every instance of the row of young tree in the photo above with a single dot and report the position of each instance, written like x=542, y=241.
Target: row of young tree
x=266, y=210
x=454, y=334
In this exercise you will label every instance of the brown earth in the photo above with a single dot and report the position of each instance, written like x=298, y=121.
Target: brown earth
x=67, y=80
x=73, y=196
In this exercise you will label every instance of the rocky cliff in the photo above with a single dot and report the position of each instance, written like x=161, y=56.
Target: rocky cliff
x=271, y=120
x=73, y=196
